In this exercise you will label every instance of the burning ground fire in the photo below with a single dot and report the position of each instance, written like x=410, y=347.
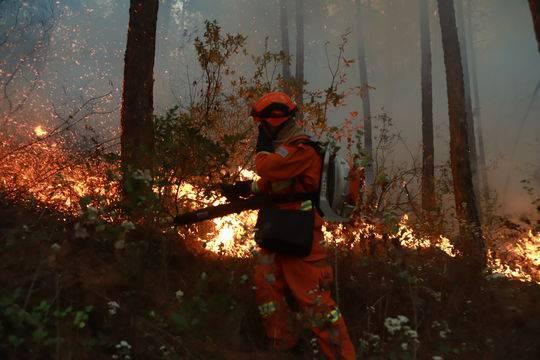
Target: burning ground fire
x=45, y=172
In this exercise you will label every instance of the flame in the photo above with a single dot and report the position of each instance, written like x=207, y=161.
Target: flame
x=45, y=171
x=39, y=131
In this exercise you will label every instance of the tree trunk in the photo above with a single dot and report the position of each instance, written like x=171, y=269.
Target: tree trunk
x=137, y=139
x=470, y=243
x=428, y=165
x=462, y=36
x=535, y=12
x=300, y=56
x=362, y=69
x=482, y=169
x=284, y=26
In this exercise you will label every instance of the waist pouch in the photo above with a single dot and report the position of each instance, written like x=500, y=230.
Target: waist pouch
x=286, y=232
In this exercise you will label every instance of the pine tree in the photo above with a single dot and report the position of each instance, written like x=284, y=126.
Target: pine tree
x=137, y=139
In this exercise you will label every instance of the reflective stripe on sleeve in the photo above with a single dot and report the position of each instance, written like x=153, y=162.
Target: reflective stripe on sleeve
x=267, y=309
x=306, y=205
x=333, y=316
x=254, y=186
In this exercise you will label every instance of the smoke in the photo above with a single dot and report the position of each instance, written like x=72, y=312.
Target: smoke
x=85, y=59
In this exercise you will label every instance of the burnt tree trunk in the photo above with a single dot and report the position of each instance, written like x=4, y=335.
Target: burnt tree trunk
x=137, y=139
x=482, y=168
x=429, y=202
x=366, y=106
x=470, y=243
x=300, y=56
x=284, y=26
x=462, y=36
x=535, y=12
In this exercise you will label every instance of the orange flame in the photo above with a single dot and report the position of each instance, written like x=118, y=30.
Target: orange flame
x=43, y=172
x=39, y=131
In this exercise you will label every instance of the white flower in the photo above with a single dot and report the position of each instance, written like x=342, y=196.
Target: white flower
x=123, y=344
x=411, y=333
x=394, y=325
x=443, y=334
x=179, y=294
x=437, y=357
x=403, y=319
x=55, y=247
x=204, y=276
x=113, y=307
x=404, y=346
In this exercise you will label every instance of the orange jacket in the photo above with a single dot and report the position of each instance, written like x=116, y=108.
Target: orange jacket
x=293, y=167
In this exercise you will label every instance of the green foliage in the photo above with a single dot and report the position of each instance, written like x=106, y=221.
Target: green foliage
x=36, y=328
x=183, y=149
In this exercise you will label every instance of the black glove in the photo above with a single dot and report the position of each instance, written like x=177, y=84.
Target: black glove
x=264, y=141
x=236, y=190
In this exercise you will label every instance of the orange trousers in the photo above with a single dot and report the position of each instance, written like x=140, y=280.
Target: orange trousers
x=309, y=282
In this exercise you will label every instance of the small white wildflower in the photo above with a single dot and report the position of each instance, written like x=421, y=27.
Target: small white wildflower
x=123, y=344
x=393, y=325
x=443, y=334
x=25, y=227
x=403, y=319
x=437, y=357
x=411, y=333
x=203, y=276
x=113, y=307
x=115, y=356
x=179, y=294
x=55, y=247
x=404, y=346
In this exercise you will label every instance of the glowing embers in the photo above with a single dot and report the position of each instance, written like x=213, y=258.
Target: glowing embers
x=229, y=235
x=39, y=131
x=515, y=258
x=54, y=176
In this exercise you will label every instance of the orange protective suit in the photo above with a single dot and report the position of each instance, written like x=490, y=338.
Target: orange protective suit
x=296, y=167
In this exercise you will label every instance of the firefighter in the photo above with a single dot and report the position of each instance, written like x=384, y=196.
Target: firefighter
x=286, y=164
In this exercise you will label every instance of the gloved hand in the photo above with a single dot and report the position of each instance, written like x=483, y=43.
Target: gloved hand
x=236, y=190
x=264, y=141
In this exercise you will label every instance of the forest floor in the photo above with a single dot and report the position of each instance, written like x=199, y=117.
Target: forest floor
x=63, y=297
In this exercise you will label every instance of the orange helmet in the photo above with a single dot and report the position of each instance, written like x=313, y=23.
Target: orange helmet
x=273, y=108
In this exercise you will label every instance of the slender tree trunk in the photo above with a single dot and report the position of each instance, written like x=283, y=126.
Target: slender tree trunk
x=535, y=12
x=428, y=162
x=137, y=139
x=366, y=106
x=284, y=25
x=468, y=101
x=482, y=168
x=470, y=243
x=300, y=55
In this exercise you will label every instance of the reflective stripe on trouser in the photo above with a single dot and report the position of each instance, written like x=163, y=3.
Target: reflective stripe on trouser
x=269, y=291
x=309, y=283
